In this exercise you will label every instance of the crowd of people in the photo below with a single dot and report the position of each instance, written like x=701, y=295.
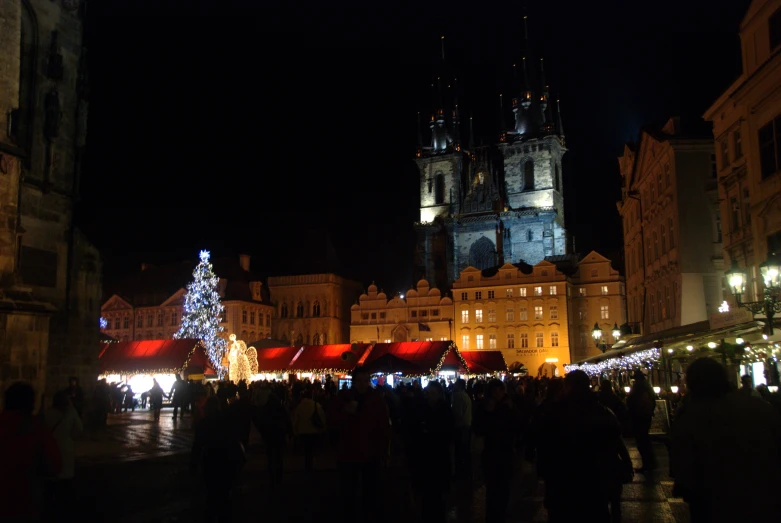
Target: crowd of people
x=725, y=444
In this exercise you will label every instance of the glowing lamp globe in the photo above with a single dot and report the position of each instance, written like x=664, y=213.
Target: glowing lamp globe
x=736, y=279
x=674, y=389
x=616, y=331
x=771, y=271
x=596, y=332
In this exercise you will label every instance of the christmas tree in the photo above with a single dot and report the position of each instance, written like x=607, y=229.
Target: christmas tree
x=202, y=312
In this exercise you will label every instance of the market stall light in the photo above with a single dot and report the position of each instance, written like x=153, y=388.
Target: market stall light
x=689, y=348
x=657, y=389
x=764, y=336
x=740, y=341
x=674, y=389
x=643, y=358
x=712, y=345
x=670, y=351
x=627, y=389
x=772, y=388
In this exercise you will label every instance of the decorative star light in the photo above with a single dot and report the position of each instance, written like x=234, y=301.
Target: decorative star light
x=204, y=255
x=724, y=307
x=103, y=323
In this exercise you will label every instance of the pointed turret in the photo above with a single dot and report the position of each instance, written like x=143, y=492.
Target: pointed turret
x=543, y=93
x=526, y=94
x=456, y=118
x=559, y=125
x=419, y=151
x=471, y=143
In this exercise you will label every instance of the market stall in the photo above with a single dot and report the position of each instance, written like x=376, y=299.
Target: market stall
x=426, y=359
x=483, y=362
x=273, y=363
x=316, y=361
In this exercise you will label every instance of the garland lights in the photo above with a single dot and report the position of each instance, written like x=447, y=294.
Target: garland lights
x=646, y=358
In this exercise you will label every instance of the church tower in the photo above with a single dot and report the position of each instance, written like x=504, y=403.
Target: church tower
x=490, y=205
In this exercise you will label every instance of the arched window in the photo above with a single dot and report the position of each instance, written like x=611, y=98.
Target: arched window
x=299, y=339
x=439, y=189
x=22, y=119
x=482, y=254
x=557, y=178
x=283, y=310
x=528, y=175
x=300, y=310
x=316, y=309
x=316, y=339
x=529, y=235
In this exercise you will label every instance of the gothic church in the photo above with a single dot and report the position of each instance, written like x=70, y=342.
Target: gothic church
x=489, y=205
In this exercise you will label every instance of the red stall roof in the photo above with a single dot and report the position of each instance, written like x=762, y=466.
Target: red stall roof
x=485, y=361
x=152, y=357
x=328, y=358
x=429, y=356
x=276, y=360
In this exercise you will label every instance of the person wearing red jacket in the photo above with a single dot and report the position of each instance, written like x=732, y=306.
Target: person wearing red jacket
x=28, y=454
x=362, y=424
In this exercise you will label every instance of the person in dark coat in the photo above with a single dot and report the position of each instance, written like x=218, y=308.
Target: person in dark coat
x=179, y=396
x=641, y=403
x=273, y=422
x=156, y=394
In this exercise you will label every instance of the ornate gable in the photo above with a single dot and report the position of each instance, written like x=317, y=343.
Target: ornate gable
x=116, y=303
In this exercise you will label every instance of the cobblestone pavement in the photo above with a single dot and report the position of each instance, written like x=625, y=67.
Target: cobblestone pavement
x=136, y=471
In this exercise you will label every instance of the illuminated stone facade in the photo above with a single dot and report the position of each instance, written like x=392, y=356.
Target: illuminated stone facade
x=672, y=231
x=485, y=206
x=50, y=275
x=312, y=308
x=140, y=310
x=375, y=318
x=747, y=128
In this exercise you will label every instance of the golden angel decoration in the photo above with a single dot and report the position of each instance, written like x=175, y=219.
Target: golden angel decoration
x=242, y=362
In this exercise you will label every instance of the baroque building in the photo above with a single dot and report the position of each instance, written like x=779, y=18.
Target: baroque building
x=672, y=227
x=50, y=275
x=150, y=304
x=421, y=314
x=747, y=128
x=312, y=309
x=483, y=206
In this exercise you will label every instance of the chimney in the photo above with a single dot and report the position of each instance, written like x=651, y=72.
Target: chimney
x=244, y=261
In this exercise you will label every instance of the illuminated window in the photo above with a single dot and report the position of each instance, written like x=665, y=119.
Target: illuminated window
x=252, y=318
x=492, y=341
x=540, y=338
x=244, y=316
x=538, y=312
x=522, y=292
x=538, y=291
x=511, y=341
x=479, y=295
x=604, y=290
x=508, y=293
x=604, y=312
x=479, y=341
x=465, y=342
x=554, y=339
x=491, y=315
x=443, y=338
x=509, y=314
x=478, y=315
x=522, y=314
x=429, y=339
x=524, y=340
x=552, y=290
x=582, y=291
x=491, y=295
x=554, y=312
x=465, y=316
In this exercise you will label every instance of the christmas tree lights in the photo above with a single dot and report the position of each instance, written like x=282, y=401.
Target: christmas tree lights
x=202, y=311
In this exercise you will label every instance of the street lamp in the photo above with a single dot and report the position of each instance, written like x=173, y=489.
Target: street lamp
x=769, y=305
x=616, y=332
x=596, y=333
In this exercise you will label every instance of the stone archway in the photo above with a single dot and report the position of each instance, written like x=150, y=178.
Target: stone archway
x=547, y=370
x=482, y=254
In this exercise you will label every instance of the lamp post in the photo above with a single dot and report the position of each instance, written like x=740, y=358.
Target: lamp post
x=596, y=333
x=769, y=305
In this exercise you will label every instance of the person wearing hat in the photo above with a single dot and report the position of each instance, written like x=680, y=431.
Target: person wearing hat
x=641, y=403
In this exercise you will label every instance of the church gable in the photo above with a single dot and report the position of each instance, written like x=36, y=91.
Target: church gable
x=116, y=303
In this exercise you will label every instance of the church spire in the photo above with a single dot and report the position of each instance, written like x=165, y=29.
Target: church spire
x=419, y=152
x=544, y=93
x=526, y=95
x=471, y=144
x=559, y=125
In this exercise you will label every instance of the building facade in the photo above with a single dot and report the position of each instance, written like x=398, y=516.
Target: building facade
x=597, y=296
x=672, y=227
x=523, y=314
x=312, y=309
x=747, y=129
x=489, y=205
x=50, y=275
x=421, y=314
x=144, y=308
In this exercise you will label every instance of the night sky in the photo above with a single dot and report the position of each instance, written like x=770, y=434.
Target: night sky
x=243, y=128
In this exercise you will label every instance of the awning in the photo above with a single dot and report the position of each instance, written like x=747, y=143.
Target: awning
x=484, y=361
x=276, y=360
x=152, y=357
x=390, y=364
x=328, y=359
x=429, y=356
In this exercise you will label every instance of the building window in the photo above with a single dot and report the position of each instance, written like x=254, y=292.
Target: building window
x=116, y=323
x=724, y=153
x=735, y=213
x=554, y=312
x=365, y=316
x=522, y=314
x=540, y=338
x=737, y=144
x=283, y=310
x=414, y=314
x=316, y=309
x=478, y=315
x=244, y=316
x=140, y=322
x=552, y=290
x=538, y=312
x=479, y=341
x=300, y=310
x=604, y=290
x=774, y=23
x=659, y=183
x=126, y=322
x=528, y=176
x=464, y=296
x=465, y=342
x=464, y=316
x=522, y=292
x=268, y=324
x=491, y=315
x=491, y=295
x=443, y=338
x=439, y=189
x=492, y=341
x=434, y=312
x=672, y=233
x=656, y=245
x=667, y=308
x=524, y=340
x=538, y=291
x=663, y=234
x=508, y=293
x=429, y=339
x=554, y=339
x=511, y=341
x=173, y=319
x=382, y=315
x=149, y=319
x=470, y=278
x=769, y=145
x=510, y=314
x=604, y=312
x=582, y=291
x=424, y=313
x=479, y=295
x=159, y=319
x=746, y=207
x=374, y=315
x=252, y=318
